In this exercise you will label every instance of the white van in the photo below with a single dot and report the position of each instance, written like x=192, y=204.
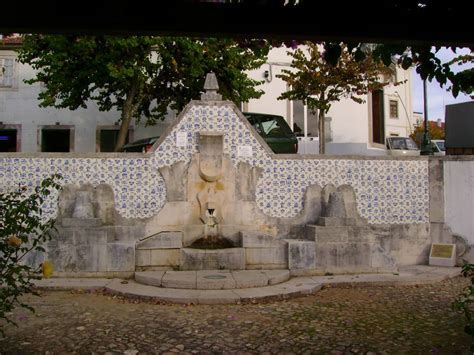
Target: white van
x=402, y=146
x=438, y=147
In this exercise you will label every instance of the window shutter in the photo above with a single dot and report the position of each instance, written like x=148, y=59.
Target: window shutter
x=2, y=69
x=8, y=72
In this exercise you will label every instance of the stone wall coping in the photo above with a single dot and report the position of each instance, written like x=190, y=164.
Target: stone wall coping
x=78, y=155
x=274, y=156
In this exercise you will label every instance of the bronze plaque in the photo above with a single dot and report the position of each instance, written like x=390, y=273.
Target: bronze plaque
x=441, y=251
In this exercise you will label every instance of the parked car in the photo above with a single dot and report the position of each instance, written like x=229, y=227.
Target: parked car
x=438, y=147
x=273, y=129
x=140, y=145
x=401, y=146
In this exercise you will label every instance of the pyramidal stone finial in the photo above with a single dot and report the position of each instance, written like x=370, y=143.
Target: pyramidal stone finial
x=210, y=87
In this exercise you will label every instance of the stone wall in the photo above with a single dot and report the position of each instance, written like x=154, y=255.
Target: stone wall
x=388, y=190
x=135, y=196
x=458, y=200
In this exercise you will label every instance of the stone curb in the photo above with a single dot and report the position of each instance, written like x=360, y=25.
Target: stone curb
x=292, y=288
x=296, y=286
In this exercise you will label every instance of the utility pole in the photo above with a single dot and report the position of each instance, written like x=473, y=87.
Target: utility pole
x=426, y=143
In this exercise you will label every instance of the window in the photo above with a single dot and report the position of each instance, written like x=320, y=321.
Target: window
x=403, y=143
x=393, y=109
x=378, y=118
x=6, y=72
x=58, y=138
x=272, y=127
x=299, y=124
x=106, y=138
x=9, y=140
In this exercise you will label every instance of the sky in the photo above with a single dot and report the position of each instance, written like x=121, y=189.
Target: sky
x=437, y=97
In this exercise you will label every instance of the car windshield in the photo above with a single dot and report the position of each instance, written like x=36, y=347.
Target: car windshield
x=441, y=146
x=402, y=143
x=274, y=126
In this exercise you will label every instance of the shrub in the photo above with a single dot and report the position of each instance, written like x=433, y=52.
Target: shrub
x=23, y=230
x=464, y=303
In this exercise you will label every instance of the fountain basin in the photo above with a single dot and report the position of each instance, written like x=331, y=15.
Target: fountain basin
x=212, y=259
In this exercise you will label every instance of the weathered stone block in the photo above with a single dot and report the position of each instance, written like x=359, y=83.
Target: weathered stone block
x=175, y=179
x=436, y=193
x=62, y=236
x=267, y=256
x=246, y=181
x=127, y=233
x=63, y=257
x=90, y=236
x=143, y=257
x=91, y=257
x=341, y=255
x=301, y=254
x=164, y=257
x=252, y=239
x=440, y=233
x=81, y=222
x=335, y=206
x=162, y=240
x=330, y=234
x=199, y=259
x=335, y=221
x=120, y=257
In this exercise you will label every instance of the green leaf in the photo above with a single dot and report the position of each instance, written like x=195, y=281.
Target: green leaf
x=406, y=62
x=359, y=55
x=332, y=53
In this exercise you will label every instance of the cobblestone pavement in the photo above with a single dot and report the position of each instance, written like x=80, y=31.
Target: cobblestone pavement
x=366, y=320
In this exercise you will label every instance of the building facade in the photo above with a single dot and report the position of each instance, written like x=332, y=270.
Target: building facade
x=351, y=128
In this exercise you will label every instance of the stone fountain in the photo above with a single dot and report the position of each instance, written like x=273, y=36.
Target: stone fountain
x=212, y=250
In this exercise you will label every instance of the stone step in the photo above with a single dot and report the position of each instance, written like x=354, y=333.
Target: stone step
x=292, y=288
x=327, y=234
x=212, y=279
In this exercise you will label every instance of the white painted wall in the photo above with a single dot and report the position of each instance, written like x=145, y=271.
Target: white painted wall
x=19, y=105
x=459, y=198
x=350, y=120
x=403, y=126
x=273, y=86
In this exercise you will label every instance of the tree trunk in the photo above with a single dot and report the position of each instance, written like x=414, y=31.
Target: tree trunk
x=127, y=114
x=322, y=146
x=322, y=142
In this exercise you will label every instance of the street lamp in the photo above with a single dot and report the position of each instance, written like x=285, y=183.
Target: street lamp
x=426, y=143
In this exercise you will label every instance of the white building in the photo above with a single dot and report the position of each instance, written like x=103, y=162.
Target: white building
x=352, y=128
x=26, y=127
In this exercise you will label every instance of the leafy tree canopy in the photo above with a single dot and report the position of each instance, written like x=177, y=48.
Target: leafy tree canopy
x=434, y=131
x=423, y=58
x=140, y=76
x=318, y=82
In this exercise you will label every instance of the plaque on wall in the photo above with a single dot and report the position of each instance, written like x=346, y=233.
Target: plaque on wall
x=181, y=139
x=442, y=254
x=244, y=151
